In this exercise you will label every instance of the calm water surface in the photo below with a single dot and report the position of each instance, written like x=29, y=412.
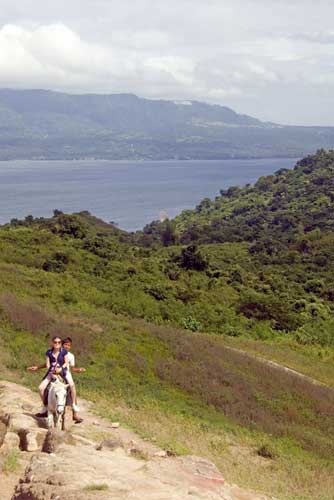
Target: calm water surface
x=127, y=192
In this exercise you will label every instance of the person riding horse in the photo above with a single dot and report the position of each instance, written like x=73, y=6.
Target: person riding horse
x=57, y=363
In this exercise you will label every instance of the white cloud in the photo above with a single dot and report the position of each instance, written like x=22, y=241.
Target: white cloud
x=325, y=36
x=270, y=59
x=56, y=55
x=265, y=74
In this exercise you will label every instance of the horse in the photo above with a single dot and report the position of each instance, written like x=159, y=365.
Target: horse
x=57, y=404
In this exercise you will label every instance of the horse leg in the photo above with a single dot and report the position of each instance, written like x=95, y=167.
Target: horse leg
x=50, y=419
x=63, y=419
x=55, y=420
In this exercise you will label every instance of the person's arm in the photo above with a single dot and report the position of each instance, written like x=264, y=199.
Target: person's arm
x=66, y=362
x=47, y=362
x=78, y=370
x=36, y=367
x=61, y=369
x=75, y=369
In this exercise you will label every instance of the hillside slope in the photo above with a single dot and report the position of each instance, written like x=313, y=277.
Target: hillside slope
x=46, y=124
x=97, y=460
x=263, y=265
x=186, y=392
x=283, y=207
x=153, y=316
x=271, y=244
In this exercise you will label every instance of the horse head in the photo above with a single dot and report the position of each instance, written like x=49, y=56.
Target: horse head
x=60, y=395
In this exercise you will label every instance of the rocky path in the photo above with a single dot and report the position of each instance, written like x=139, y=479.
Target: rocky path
x=96, y=460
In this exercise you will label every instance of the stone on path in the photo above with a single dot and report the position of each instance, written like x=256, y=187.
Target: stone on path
x=98, y=461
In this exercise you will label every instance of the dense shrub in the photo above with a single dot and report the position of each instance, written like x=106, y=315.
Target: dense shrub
x=191, y=323
x=57, y=263
x=191, y=258
x=314, y=286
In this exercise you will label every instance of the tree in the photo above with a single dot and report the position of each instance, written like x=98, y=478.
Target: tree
x=191, y=258
x=57, y=212
x=70, y=225
x=168, y=234
x=29, y=220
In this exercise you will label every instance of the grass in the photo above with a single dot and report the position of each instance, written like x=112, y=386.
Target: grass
x=314, y=361
x=10, y=462
x=96, y=487
x=140, y=454
x=293, y=474
x=128, y=391
x=163, y=383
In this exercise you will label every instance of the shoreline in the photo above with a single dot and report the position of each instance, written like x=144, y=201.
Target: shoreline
x=171, y=160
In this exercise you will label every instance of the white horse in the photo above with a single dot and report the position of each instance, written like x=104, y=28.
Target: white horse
x=57, y=404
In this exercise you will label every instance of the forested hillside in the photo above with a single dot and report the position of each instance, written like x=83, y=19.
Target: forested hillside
x=272, y=244
x=256, y=261
x=41, y=124
x=153, y=315
x=281, y=208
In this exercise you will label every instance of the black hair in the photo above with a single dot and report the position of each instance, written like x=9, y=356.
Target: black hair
x=55, y=337
x=68, y=340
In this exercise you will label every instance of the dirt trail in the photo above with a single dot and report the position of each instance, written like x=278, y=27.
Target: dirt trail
x=96, y=460
x=278, y=366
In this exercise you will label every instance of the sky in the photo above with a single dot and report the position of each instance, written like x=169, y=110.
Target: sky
x=272, y=59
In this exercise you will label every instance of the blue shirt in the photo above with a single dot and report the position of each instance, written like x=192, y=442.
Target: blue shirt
x=56, y=362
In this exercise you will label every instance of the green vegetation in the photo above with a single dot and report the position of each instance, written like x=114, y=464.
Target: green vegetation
x=10, y=462
x=154, y=315
x=40, y=124
x=96, y=487
x=270, y=249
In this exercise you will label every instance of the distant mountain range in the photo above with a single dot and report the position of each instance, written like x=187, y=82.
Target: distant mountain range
x=42, y=124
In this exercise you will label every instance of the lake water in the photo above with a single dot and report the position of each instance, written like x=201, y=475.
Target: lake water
x=129, y=193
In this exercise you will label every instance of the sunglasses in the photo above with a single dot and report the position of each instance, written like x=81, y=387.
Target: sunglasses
x=57, y=341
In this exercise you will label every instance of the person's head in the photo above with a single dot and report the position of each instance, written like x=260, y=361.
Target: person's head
x=56, y=342
x=67, y=343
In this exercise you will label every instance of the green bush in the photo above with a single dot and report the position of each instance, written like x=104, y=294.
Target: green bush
x=191, y=258
x=191, y=323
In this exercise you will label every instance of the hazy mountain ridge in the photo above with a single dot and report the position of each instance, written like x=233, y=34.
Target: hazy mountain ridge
x=53, y=125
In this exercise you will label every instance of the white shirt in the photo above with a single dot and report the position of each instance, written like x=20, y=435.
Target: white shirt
x=71, y=360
